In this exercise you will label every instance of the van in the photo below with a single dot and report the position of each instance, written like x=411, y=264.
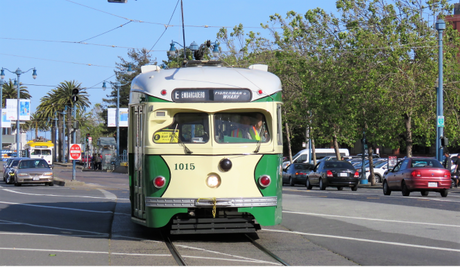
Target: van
x=303, y=155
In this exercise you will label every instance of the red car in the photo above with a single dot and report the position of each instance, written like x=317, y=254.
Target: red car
x=417, y=174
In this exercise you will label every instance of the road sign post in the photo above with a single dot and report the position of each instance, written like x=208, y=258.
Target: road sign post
x=74, y=154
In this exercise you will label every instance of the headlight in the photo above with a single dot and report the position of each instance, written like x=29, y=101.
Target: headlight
x=213, y=180
x=48, y=174
x=23, y=174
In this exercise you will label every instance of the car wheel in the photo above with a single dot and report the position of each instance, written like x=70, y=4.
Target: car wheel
x=291, y=182
x=308, y=184
x=354, y=188
x=340, y=188
x=424, y=193
x=378, y=178
x=444, y=193
x=386, y=189
x=322, y=186
x=50, y=184
x=405, y=191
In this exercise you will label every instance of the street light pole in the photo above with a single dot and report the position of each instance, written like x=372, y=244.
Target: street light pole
x=1, y=118
x=18, y=73
x=440, y=26
x=129, y=71
x=118, y=84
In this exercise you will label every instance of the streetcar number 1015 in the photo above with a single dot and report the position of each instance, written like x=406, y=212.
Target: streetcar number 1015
x=184, y=166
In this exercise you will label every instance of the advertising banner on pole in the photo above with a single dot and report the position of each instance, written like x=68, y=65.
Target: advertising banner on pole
x=122, y=120
x=6, y=123
x=12, y=110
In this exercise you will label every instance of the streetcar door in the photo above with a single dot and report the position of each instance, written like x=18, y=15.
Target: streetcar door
x=138, y=144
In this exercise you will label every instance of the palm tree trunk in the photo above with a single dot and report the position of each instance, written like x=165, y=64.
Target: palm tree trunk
x=69, y=125
x=61, y=138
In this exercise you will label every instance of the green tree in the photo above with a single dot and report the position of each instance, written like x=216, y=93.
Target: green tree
x=136, y=59
x=55, y=103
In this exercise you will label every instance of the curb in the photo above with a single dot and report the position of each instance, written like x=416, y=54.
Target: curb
x=63, y=182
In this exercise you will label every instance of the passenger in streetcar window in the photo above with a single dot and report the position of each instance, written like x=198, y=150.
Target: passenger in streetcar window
x=245, y=129
x=261, y=127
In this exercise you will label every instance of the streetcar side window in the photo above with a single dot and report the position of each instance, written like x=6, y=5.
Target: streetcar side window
x=186, y=128
x=241, y=128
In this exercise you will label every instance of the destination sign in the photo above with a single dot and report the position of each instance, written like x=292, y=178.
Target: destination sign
x=211, y=95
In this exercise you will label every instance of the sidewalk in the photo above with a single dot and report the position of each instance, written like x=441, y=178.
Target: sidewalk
x=79, y=168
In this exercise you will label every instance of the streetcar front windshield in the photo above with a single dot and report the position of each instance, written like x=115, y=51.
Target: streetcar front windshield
x=36, y=152
x=248, y=127
x=186, y=128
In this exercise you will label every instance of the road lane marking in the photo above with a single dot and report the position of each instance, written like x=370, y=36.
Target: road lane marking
x=364, y=240
x=60, y=208
x=107, y=195
x=370, y=219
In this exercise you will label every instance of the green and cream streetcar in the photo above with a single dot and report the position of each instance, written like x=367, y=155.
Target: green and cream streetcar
x=205, y=148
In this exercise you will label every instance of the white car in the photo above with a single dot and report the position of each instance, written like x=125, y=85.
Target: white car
x=379, y=169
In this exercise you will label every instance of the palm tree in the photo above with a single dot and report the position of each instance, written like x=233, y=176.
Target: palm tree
x=56, y=102
x=36, y=122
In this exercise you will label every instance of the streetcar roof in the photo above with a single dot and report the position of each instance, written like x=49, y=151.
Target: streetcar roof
x=40, y=144
x=153, y=80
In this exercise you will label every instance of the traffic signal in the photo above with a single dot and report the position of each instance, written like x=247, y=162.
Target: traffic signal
x=444, y=141
x=74, y=95
x=87, y=137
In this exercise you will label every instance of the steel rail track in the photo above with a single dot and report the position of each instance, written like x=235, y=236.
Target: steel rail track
x=174, y=252
x=266, y=251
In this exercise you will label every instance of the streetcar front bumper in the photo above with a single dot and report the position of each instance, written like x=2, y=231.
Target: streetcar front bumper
x=154, y=202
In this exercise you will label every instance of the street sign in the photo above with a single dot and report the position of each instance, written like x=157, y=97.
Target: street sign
x=392, y=161
x=440, y=121
x=75, y=152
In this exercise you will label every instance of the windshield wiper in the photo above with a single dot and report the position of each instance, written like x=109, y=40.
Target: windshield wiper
x=258, y=146
x=186, y=150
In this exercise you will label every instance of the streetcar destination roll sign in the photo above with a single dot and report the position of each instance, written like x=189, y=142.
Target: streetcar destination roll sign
x=211, y=95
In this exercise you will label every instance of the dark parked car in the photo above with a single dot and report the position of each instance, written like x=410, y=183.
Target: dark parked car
x=11, y=162
x=417, y=174
x=333, y=173
x=30, y=171
x=297, y=173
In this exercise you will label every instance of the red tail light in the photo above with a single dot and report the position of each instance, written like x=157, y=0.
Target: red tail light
x=329, y=173
x=447, y=174
x=356, y=174
x=159, y=182
x=416, y=174
x=300, y=173
x=264, y=181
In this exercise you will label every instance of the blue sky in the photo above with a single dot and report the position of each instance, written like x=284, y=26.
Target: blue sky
x=81, y=40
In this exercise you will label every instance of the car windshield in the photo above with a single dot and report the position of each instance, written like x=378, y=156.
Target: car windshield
x=380, y=164
x=420, y=163
x=338, y=164
x=31, y=164
x=14, y=163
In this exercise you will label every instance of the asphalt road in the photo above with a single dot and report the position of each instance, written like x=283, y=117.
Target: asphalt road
x=87, y=222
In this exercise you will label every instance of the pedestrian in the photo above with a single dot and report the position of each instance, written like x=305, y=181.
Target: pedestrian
x=456, y=180
x=447, y=161
x=98, y=162
x=93, y=161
